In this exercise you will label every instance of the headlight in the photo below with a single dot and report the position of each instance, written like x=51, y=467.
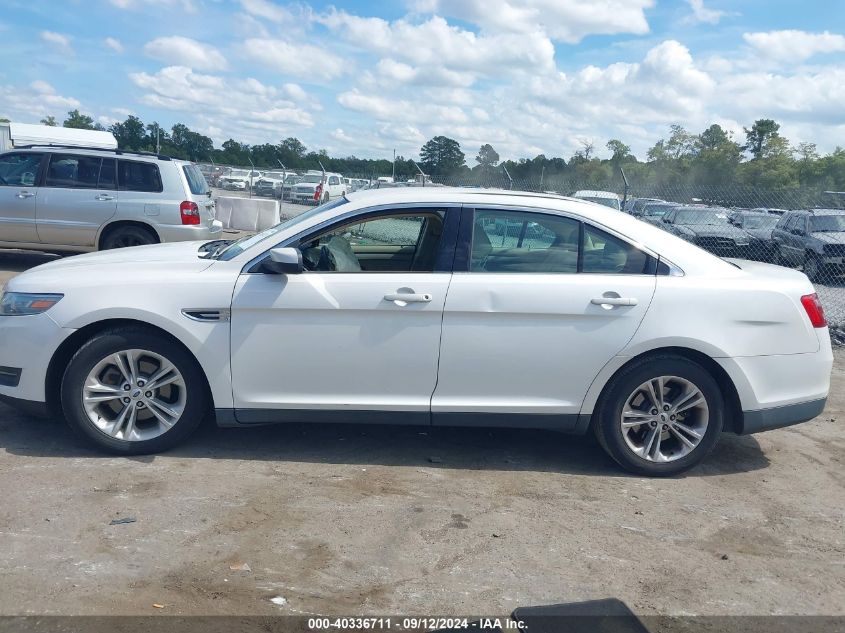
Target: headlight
x=21, y=303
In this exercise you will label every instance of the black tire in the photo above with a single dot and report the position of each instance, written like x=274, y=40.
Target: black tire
x=326, y=198
x=778, y=258
x=607, y=419
x=126, y=236
x=813, y=268
x=125, y=338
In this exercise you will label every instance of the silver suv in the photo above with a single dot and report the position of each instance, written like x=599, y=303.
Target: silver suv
x=76, y=199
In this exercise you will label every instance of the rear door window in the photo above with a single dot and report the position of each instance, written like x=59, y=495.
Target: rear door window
x=196, y=180
x=72, y=171
x=137, y=176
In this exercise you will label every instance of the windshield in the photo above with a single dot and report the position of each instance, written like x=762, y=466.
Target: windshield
x=759, y=221
x=236, y=248
x=292, y=178
x=704, y=216
x=274, y=174
x=613, y=203
x=827, y=223
x=239, y=173
x=312, y=178
x=655, y=210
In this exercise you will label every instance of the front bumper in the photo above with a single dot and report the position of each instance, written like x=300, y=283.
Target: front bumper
x=779, y=417
x=28, y=343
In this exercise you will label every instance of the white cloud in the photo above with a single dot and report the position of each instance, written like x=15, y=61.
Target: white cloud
x=245, y=109
x=114, y=44
x=183, y=51
x=304, y=60
x=700, y=13
x=34, y=102
x=267, y=10
x=794, y=46
x=186, y=5
x=437, y=44
x=58, y=41
x=564, y=20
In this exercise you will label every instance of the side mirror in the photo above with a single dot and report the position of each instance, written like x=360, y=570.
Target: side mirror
x=283, y=261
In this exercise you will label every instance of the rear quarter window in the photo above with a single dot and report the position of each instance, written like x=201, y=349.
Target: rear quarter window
x=137, y=176
x=196, y=180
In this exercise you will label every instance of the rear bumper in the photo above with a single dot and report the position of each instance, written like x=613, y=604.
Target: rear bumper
x=189, y=233
x=779, y=417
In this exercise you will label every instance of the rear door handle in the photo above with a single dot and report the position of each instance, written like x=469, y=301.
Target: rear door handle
x=25, y=194
x=401, y=298
x=614, y=301
x=104, y=197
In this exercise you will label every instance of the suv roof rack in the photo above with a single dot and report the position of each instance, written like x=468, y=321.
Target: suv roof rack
x=96, y=149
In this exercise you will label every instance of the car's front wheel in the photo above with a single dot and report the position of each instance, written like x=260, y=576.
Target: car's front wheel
x=131, y=391
x=660, y=416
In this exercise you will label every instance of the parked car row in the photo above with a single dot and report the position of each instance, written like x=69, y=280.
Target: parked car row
x=813, y=239
x=283, y=184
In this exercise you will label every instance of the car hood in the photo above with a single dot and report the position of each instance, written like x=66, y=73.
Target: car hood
x=760, y=234
x=306, y=185
x=832, y=237
x=129, y=263
x=707, y=230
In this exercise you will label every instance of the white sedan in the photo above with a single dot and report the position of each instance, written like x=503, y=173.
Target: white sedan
x=429, y=306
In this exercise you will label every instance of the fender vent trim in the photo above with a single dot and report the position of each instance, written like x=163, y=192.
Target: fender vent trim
x=207, y=315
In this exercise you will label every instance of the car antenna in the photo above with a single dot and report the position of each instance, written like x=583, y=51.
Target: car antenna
x=625, y=190
x=508, y=174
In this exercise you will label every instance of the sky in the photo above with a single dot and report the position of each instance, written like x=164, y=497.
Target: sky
x=365, y=78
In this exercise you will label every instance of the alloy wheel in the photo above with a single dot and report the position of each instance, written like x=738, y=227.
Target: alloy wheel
x=134, y=395
x=664, y=419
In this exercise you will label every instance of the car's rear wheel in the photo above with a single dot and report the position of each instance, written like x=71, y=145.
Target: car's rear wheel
x=813, y=268
x=131, y=391
x=660, y=416
x=125, y=236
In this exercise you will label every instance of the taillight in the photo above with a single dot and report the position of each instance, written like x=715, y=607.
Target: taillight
x=318, y=192
x=190, y=212
x=814, y=309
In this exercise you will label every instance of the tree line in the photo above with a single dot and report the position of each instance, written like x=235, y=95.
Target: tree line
x=764, y=158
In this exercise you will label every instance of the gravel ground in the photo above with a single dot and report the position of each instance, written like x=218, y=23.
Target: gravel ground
x=351, y=519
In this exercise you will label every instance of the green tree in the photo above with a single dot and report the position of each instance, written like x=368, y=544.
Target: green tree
x=442, y=155
x=716, y=158
x=79, y=121
x=487, y=157
x=49, y=120
x=130, y=134
x=759, y=136
x=619, y=151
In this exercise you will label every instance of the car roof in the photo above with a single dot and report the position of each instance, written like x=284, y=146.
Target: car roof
x=96, y=151
x=826, y=211
x=595, y=193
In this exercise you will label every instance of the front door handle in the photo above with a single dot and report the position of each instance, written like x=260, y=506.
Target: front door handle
x=104, y=197
x=403, y=298
x=614, y=301
x=26, y=194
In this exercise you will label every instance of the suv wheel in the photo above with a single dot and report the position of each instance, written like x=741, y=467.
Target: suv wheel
x=124, y=236
x=660, y=416
x=812, y=267
x=131, y=392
